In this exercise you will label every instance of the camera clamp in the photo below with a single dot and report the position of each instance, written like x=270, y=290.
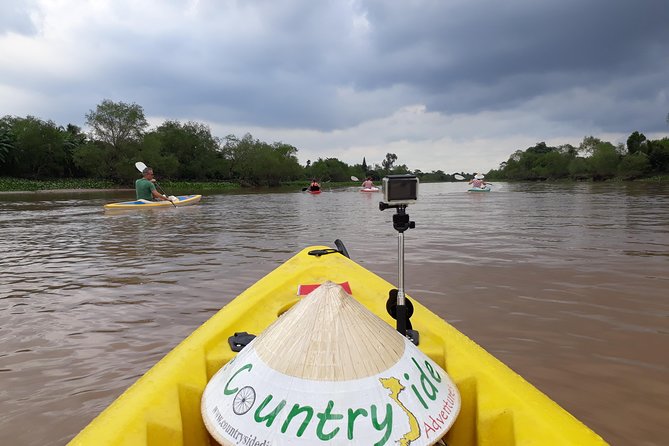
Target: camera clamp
x=398, y=306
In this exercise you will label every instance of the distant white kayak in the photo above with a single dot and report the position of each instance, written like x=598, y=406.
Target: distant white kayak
x=479, y=189
x=370, y=189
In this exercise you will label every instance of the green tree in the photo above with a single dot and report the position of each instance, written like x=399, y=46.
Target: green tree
x=253, y=162
x=579, y=168
x=329, y=169
x=117, y=131
x=604, y=161
x=540, y=148
x=568, y=150
x=282, y=163
x=388, y=162
x=633, y=166
x=153, y=154
x=39, y=149
x=658, y=155
x=634, y=142
x=193, y=147
x=7, y=140
x=553, y=165
x=588, y=145
x=399, y=170
x=92, y=160
x=117, y=123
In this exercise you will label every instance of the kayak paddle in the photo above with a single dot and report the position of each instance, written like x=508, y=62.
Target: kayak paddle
x=458, y=177
x=354, y=178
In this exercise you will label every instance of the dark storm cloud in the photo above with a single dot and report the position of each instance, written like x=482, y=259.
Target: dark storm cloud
x=472, y=56
x=334, y=65
x=281, y=67
x=456, y=57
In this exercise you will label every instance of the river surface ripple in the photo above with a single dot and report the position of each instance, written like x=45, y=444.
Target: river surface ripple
x=568, y=284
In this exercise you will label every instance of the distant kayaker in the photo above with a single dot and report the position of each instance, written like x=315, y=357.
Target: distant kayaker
x=314, y=185
x=477, y=181
x=145, y=188
x=368, y=184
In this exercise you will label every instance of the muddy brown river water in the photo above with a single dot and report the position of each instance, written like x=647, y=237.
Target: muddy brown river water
x=568, y=284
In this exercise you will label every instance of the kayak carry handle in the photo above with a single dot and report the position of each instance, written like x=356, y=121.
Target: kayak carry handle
x=240, y=340
x=341, y=249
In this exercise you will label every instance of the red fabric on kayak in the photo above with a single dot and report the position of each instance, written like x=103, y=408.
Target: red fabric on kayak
x=303, y=290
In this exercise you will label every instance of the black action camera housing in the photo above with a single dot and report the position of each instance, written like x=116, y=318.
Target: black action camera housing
x=400, y=189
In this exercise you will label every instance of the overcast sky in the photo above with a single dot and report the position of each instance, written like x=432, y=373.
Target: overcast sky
x=452, y=85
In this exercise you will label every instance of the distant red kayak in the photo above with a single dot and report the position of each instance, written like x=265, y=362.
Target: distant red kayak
x=315, y=192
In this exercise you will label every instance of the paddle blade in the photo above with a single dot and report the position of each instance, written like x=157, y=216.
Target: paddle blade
x=140, y=166
x=458, y=177
x=304, y=189
x=354, y=178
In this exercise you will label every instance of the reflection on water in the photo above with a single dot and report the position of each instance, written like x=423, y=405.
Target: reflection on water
x=565, y=283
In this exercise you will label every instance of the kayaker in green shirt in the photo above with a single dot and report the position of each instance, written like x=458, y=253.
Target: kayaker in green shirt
x=145, y=188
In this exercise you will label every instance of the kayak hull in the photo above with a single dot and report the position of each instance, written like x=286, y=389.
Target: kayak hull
x=163, y=406
x=479, y=189
x=184, y=200
x=370, y=189
x=315, y=192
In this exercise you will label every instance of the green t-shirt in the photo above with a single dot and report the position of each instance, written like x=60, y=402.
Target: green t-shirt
x=144, y=189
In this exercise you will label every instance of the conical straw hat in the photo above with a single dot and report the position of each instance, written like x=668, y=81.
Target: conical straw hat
x=330, y=370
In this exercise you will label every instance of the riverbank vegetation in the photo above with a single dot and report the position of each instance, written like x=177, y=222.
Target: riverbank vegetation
x=22, y=184
x=593, y=159
x=188, y=155
x=33, y=149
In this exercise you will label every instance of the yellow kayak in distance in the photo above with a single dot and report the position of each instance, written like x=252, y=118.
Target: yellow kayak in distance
x=182, y=200
x=498, y=407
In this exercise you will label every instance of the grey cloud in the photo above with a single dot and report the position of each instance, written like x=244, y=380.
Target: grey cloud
x=505, y=52
x=285, y=64
x=15, y=17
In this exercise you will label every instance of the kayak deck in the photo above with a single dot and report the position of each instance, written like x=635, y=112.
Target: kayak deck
x=184, y=200
x=479, y=189
x=163, y=407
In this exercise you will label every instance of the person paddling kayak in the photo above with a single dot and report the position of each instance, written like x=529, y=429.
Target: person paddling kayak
x=314, y=186
x=146, y=190
x=477, y=181
x=368, y=184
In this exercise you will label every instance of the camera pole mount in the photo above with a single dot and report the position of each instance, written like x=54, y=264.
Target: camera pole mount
x=402, y=307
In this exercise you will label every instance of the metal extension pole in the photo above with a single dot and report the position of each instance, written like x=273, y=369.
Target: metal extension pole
x=401, y=304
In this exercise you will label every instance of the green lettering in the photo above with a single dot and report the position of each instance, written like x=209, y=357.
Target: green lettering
x=435, y=375
x=324, y=417
x=415, y=391
x=386, y=423
x=352, y=415
x=231, y=391
x=296, y=410
x=430, y=391
x=269, y=418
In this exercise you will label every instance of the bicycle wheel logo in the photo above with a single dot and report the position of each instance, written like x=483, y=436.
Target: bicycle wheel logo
x=244, y=400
